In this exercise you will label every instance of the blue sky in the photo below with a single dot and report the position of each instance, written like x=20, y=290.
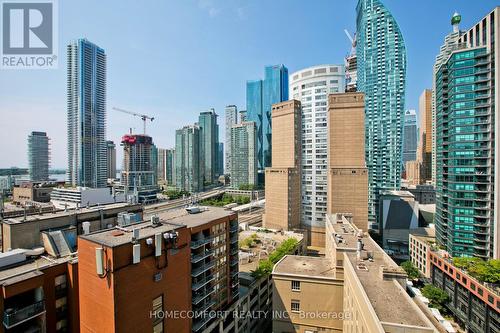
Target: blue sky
x=173, y=59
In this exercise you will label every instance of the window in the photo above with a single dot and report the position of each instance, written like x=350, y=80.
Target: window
x=296, y=285
x=295, y=306
x=157, y=316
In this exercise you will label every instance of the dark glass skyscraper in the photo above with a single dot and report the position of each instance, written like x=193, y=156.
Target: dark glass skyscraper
x=261, y=95
x=86, y=84
x=381, y=57
x=38, y=156
x=209, y=139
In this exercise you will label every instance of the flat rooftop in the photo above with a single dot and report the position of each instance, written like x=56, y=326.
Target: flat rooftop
x=62, y=213
x=27, y=269
x=267, y=242
x=389, y=300
x=206, y=215
x=399, y=193
x=169, y=221
x=317, y=267
x=426, y=234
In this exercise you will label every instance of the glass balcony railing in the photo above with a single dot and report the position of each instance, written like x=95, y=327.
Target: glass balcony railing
x=12, y=317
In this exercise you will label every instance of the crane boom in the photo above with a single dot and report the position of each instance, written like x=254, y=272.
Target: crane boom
x=144, y=117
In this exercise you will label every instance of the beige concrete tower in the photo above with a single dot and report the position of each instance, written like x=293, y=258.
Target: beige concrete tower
x=347, y=172
x=283, y=178
x=424, y=149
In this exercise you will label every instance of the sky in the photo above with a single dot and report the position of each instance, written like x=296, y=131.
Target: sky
x=172, y=59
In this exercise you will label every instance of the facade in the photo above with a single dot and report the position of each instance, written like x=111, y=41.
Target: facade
x=38, y=295
x=466, y=106
x=111, y=159
x=424, y=149
x=356, y=287
x=398, y=217
x=311, y=87
x=86, y=85
x=474, y=303
x=71, y=198
x=421, y=242
x=381, y=75
x=244, y=154
x=220, y=159
x=424, y=194
x=189, y=166
x=413, y=172
x=27, y=233
x=450, y=43
x=243, y=115
x=209, y=140
x=347, y=173
x=38, y=156
x=410, y=137
x=179, y=262
x=260, y=96
x=28, y=193
x=231, y=115
x=139, y=174
x=161, y=167
x=298, y=283
x=170, y=167
x=283, y=178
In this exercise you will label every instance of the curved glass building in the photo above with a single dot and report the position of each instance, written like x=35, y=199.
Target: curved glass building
x=381, y=76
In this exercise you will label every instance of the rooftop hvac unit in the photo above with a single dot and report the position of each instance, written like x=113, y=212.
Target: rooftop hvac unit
x=158, y=245
x=86, y=227
x=155, y=220
x=136, y=249
x=193, y=210
x=99, y=260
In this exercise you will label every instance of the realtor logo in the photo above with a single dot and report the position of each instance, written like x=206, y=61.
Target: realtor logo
x=29, y=34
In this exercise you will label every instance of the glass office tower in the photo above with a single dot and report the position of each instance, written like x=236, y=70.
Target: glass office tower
x=86, y=91
x=261, y=95
x=381, y=73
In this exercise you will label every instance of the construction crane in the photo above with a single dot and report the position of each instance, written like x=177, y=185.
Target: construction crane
x=144, y=117
x=353, y=41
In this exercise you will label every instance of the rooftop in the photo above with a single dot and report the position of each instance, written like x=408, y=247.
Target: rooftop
x=62, y=213
x=402, y=194
x=377, y=273
x=28, y=268
x=317, y=267
x=267, y=242
x=424, y=234
x=169, y=221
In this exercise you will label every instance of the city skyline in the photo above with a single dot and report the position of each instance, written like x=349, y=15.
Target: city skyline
x=49, y=100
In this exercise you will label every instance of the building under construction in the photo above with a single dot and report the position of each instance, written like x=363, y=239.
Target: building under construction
x=139, y=176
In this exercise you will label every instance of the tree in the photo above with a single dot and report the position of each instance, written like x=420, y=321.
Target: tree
x=411, y=270
x=437, y=297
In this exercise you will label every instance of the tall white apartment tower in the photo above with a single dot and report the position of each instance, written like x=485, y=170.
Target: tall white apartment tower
x=86, y=84
x=311, y=87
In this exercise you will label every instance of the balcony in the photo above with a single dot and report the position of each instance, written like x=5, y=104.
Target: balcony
x=199, y=284
x=13, y=317
x=198, y=257
x=197, y=271
x=197, y=243
x=200, y=297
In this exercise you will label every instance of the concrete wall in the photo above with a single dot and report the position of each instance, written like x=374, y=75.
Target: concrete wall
x=315, y=296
